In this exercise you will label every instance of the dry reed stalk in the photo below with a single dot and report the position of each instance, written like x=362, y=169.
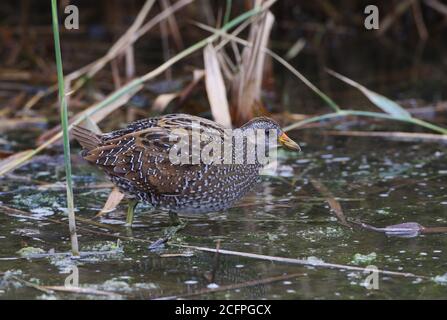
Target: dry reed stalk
x=247, y=82
x=215, y=87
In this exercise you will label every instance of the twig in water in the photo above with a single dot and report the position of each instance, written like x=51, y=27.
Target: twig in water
x=404, y=136
x=23, y=214
x=234, y=286
x=301, y=261
x=82, y=254
x=32, y=285
x=80, y=290
x=403, y=230
x=51, y=289
x=176, y=255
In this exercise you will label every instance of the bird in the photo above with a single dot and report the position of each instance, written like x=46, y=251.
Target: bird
x=144, y=161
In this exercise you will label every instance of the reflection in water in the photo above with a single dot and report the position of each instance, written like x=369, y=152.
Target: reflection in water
x=381, y=184
x=72, y=280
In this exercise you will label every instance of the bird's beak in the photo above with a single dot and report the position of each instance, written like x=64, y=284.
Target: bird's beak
x=285, y=141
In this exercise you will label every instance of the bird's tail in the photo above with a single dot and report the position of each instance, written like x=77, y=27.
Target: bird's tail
x=86, y=138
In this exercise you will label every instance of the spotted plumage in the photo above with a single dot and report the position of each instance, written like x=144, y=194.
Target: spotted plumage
x=137, y=160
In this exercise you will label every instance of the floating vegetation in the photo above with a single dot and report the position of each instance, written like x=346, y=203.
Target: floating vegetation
x=364, y=259
x=29, y=251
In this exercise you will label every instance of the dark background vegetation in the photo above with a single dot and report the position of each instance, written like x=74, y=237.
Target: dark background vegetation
x=404, y=60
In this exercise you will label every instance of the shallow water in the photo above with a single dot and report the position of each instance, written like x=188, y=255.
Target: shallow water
x=376, y=181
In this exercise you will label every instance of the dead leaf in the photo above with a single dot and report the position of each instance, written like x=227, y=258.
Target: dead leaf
x=215, y=88
x=247, y=84
x=112, y=202
x=330, y=199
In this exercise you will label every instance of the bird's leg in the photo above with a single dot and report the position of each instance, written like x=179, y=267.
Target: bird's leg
x=177, y=224
x=175, y=220
x=130, y=210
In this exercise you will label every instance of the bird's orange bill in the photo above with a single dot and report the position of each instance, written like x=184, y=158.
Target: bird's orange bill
x=288, y=143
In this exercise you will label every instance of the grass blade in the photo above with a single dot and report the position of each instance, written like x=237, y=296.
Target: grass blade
x=380, y=101
x=215, y=87
x=288, y=66
x=64, y=123
x=13, y=160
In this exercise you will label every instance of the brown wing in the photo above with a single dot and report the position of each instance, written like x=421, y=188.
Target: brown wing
x=143, y=159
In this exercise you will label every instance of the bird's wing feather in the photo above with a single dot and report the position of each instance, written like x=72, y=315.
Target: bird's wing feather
x=142, y=157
